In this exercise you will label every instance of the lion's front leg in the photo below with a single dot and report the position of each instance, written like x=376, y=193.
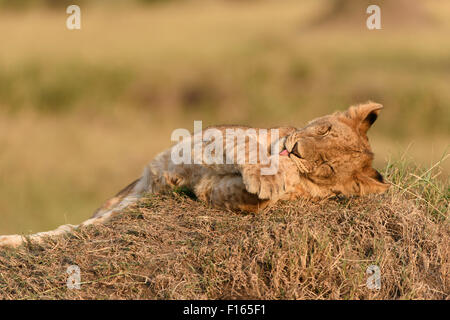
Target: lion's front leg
x=270, y=183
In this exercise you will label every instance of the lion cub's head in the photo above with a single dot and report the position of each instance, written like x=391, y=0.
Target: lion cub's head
x=334, y=153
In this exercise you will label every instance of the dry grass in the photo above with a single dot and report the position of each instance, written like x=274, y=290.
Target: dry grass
x=173, y=247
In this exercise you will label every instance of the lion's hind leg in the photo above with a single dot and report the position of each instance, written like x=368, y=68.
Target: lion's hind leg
x=228, y=192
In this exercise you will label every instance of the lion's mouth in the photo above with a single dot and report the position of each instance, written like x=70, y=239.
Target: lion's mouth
x=295, y=152
x=302, y=164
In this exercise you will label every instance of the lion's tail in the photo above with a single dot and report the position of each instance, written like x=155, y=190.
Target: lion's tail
x=127, y=196
x=152, y=181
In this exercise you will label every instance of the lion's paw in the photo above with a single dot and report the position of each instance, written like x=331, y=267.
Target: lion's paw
x=265, y=186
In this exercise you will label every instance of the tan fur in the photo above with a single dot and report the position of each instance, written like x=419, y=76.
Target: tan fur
x=328, y=157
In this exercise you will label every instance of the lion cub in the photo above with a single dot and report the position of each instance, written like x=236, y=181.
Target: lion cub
x=331, y=155
x=251, y=169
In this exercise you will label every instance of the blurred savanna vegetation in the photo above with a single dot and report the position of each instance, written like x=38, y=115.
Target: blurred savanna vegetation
x=82, y=111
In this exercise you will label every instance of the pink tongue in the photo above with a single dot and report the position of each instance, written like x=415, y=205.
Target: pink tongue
x=284, y=153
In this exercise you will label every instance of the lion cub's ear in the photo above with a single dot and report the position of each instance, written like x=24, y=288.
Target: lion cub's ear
x=370, y=181
x=364, y=115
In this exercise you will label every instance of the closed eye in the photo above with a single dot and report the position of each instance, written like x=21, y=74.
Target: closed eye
x=332, y=169
x=323, y=131
x=325, y=170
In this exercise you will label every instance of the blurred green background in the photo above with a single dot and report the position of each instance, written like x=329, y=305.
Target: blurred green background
x=82, y=111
